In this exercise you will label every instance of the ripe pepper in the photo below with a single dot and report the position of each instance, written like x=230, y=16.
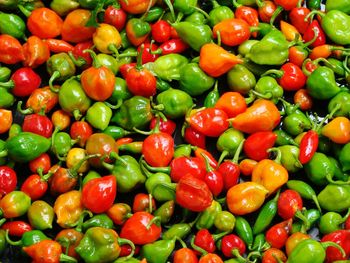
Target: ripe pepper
x=23, y=82
x=337, y=130
x=40, y=215
x=340, y=237
x=233, y=31
x=106, y=38
x=8, y=180
x=41, y=100
x=137, y=30
x=14, y=204
x=60, y=67
x=305, y=191
x=272, y=49
x=215, y=60
x=36, y=52
x=314, y=30
x=16, y=228
x=44, y=23
x=11, y=50
x=263, y=115
x=69, y=239
x=38, y=124
x=278, y=234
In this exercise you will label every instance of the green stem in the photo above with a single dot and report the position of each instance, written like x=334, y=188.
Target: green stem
x=78, y=62
x=66, y=258
x=312, y=14
x=327, y=244
x=7, y=84
x=55, y=75
x=11, y=242
x=24, y=112
x=275, y=14
x=197, y=248
x=95, y=62
x=123, y=241
x=155, y=220
x=273, y=72
x=279, y=154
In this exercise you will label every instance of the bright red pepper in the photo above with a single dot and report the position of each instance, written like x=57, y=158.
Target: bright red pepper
x=141, y=228
x=16, y=228
x=232, y=242
x=289, y=202
x=78, y=52
x=205, y=240
x=287, y=4
x=35, y=186
x=115, y=16
x=11, y=50
x=8, y=180
x=248, y=14
x=167, y=126
x=81, y=130
x=210, y=121
x=58, y=45
x=141, y=203
x=297, y=55
x=204, y=154
x=25, y=82
x=98, y=194
x=147, y=56
x=257, y=144
x=315, y=28
x=233, y=31
x=190, y=186
x=161, y=31
x=124, y=69
x=214, y=180
x=183, y=165
x=39, y=124
x=342, y=238
x=185, y=255
x=278, y=234
x=42, y=100
x=230, y=172
x=308, y=146
x=297, y=17
x=172, y=46
x=266, y=10
x=194, y=137
x=293, y=77
x=41, y=164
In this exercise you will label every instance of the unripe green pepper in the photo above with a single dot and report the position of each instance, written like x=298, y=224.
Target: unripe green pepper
x=14, y=204
x=319, y=168
x=160, y=194
x=6, y=99
x=335, y=198
x=2, y=241
x=342, y=100
x=175, y=103
x=5, y=74
x=244, y=48
x=268, y=88
x=244, y=231
x=120, y=92
x=283, y=138
x=108, y=61
x=289, y=158
x=63, y=7
x=28, y=238
x=206, y=218
x=185, y=6
x=229, y=141
x=194, y=81
x=61, y=144
x=181, y=230
x=240, y=79
x=158, y=251
x=101, y=220
x=12, y=25
x=225, y=221
x=219, y=13
x=342, y=5
x=26, y=146
x=331, y=221
x=165, y=212
x=40, y=215
x=8, y=4
x=168, y=67
x=196, y=18
x=99, y=115
x=116, y=132
x=60, y=67
x=344, y=157
x=180, y=150
x=338, y=172
x=154, y=14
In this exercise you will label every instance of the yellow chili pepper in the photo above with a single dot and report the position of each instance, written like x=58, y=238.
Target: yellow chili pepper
x=337, y=130
x=74, y=156
x=106, y=38
x=289, y=31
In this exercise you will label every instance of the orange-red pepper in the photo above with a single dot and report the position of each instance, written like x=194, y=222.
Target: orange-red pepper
x=6, y=120
x=337, y=130
x=58, y=45
x=36, y=52
x=11, y=50
x=42, y=99
x=233, y=31
x=290, y=31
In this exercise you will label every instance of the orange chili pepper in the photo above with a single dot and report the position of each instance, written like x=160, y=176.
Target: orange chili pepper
x=136, y=6
x=263, y=115
x=323, y=51
x=233, y=31
x=198, y=152
x=272, y=255
x=233, y=103
x=293, y=240
x=246, y=197
x=36, y=52
x=74, y=29
x=58, y=45
x=42, y=99
x=119, y=213
x=11, y=50
x=215, y=60
x=73, y=237
x=44, y=23
x=337, y=130
x=290, y=31
x=303, y=99
x=6, y=120
x=210, y=258
x=246, y=166
x=270, y=174
x=60, y=119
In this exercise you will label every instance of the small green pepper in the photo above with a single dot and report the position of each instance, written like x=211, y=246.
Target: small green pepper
x=335, y=198
x=158, y=251
x=2, y=241
x=116, y=132
x=101, y=220
x=341, y=100
x=154, y=13
x=60, y=67
x=290, y=158
x=283, y=138
x=332, y=221
x=120, y=93
x=61, y=144
x=28, y=238
x=229, y=141
x=63, y=7
x=342, y=5
x=219, y=13
x=40, y=215
x=225, y=221
x=180, y=230
x=319, y=168
x=344, y=157
x=206, y=218
x=240, y=79
x=244, y=231
x=165, y=212
x=168, y=67
x=99, y=115
x=304, y=190
x=12, y=25
x=6, y=99
x=185, y=6
x=268, y=88
x=196, y=18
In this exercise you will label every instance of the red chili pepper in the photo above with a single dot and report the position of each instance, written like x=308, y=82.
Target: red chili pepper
x=287, y=4
x=248, y=14
x=81, y=130
x=141, y=228
x=126, y=249
x=232, y=242
x=200, y=152
x=185, y=255
x=289, y=202
x=183, y=165
x=315, y=28
x=167, y=126
x=35, y=186
x=210, y=121
x=8, y=180
x=231, y=102
x=293, y=77
x=78, y=52
x=174, y=45
x=98, y=194
x=11, y=50
x=141, y=203
x=347, y=223
x=194, y=137
x=41, y=164
x=214, y=179
x=161, y=31
x=257, y=144
x=342, y=238
x=266, y=10
x=115, y=16
x=147, y=56
x=36, y=52
x=297, y=55
x=58, y=45
x=39, y=124
x=25, y=82
x=190, y=186
x=297, y=17
x=124, y=69
x=205, y=240
x=16, y=228
x=278, y=234
x=308, y=146
x=230, y=172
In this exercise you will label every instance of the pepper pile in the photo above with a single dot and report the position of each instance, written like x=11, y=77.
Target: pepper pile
x=182, y=131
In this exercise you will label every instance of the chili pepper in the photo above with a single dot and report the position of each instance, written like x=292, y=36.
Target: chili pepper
x=69, y=239
x=36, y=52
x=233, y=31
x=115, y=16
x=16, y=228
x=205, y=240
x=233, y=246
x=289, y=159
x=163, y=249
x=44, y=23
x=257, y=144
x=99, y=115
x=8, y=180
x=204, y=154
x=35, y=186
x=168, y=67
x=319, y=168
x=314, y=29
x=273, y=255
x=40, y=215
x=28, y=238
x=228, y=142
x=38, y=124
x=219, y=13
x=172, y=46
x=212, y=97
x=11, y=50
x=143, y=202
x=61, y=67
x=119, y=213
x=24, y=81
x=336, y=130
x=62, y=8
x=343, y=159
x=331, y=221
x=12, y=24
x=240, y=79
x=293, y=240
x=207, y=217
x=194, y=137
x=268, y=88
x=244, y=231
x=14, y=204
x=185, y=255
x=266, y=215
x=215, y=60
x=267, y=53
x=310, y=248
x=74, y=27
x=100, y=220
x=308, y=146
x=334, y=193
x=239, y=199
x=165, y=212
x=303, y=99
x=7, y=99
x=338, y=5
x=58, y=46
x=60, y=119
x=278, y=234
x=266, y=10
x=341, y=238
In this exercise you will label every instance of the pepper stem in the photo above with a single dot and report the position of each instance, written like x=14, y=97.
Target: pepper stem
x=171, y=8
x=216, y=237
x=66, y=258
x=304, y=45
x=197, y=248
x=222, y=156
x=93, y=55
x=327, y=244
x=78, y=225
x=55, y=75
x=273, y=72
x=124, y=241
x=77, y=166
x=275, y=14
x=235, y=4
x=7, y=84
x=24, y=11
x=312, y=14
x=2, y=221
x=201, y=11
x=155, y=220
x=306, y=224
x=278, y=152
x=207, y=165
x=11, y=242
x=267, y=95
x=24, y=112
x=183, y=244
x=78, y=62
x=238, y=152
x=238, y=256
x=166, y=169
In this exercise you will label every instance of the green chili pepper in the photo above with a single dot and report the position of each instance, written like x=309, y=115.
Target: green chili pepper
x=127, y=171
x=314, y=4
x=244, y=48
x=165, y=212
x=26, y=146
x=185, y=6
x=332, y=221
x=6, y=99
x=63, y=7
x=99, y=115
x=60, y=67
x=338, y=172
x=324, y=144
x=344, y=157
x=5, y=74
x=15, y=129
x=134, y=113
x=40, y=215
x=310, y=250
x=283, y=138
x=290, y=158
x=312, y=217
x=132, y=147
x=194, y=35
x=272, y=49
x=240, y=79
x=219, y=13
x=28, y=238
x=335, y=198
x=212, y=97
x=108, y=61
x=335, y=65
x=181, y=230
x=266, y=215
x=154, y=13
x=101, y=220
x=162, y=85
x=194, y=81
x=73, y=99
x=180, y=150
x=319, y=168
x=268, y=88
x=90, y=175
x=61, y=144
x=158, y=251
x=342, y=5
x=206, y=218
x=174, y=103
x=244, y=231
x=8, y=4
x=196, y=18
x=2, y=241
x=116, y=132
x=341, y=100
x=321, y=84
x=168, y=67
x=120, y=93
x=12, y=25
x=228, y=142
x=225, y=221
x=304, y=190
